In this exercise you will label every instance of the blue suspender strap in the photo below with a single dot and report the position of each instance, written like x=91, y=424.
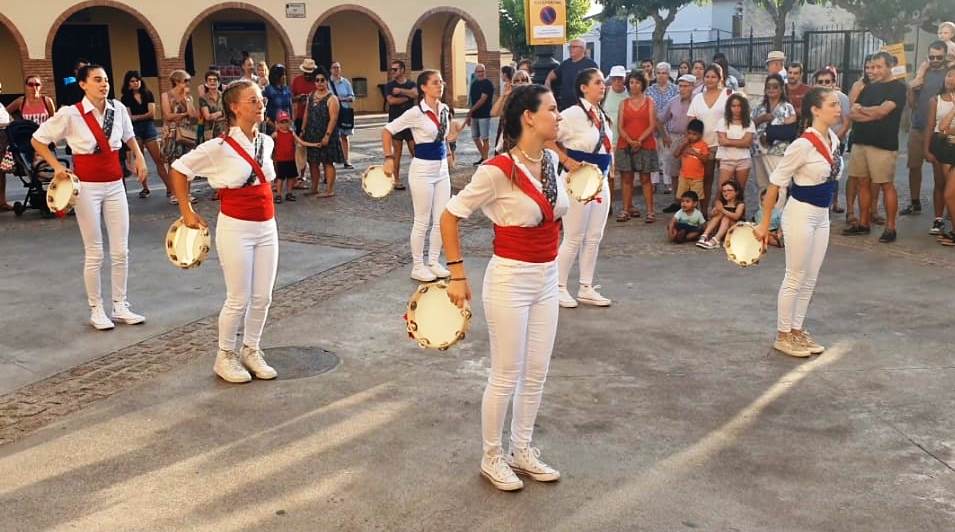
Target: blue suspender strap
x=818, y=195
x=602, y=160
x=431, y=151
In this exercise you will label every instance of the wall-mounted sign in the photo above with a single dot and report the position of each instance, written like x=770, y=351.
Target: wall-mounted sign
x=295, y=10
x=546, y=21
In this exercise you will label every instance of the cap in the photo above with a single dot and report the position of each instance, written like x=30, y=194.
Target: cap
x=689, y=78
x=282, y=116
x=776, y=55
x=618, y=71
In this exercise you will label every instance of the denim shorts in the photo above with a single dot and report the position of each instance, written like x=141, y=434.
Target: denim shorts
x=480, y=128
x=145, y=130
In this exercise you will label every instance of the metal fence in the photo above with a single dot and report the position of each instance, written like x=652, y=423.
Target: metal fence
x=844, y=49
x=744, y=53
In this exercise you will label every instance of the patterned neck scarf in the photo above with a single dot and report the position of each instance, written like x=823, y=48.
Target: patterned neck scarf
x=258, y=159
x=549, y=179
x=108, y=118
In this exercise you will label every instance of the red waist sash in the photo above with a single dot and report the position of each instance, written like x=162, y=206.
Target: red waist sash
x=528, y=244
x=252, y=203
x=101, y=167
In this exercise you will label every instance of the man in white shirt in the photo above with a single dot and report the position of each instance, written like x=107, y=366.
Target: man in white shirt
x=615, y=96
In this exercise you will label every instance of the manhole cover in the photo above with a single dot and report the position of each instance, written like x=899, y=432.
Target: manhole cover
x=300, y=362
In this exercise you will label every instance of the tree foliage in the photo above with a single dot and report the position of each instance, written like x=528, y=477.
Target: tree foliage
x=513, y=24
x=663, y=12
x=890, y=20
x=779, y=10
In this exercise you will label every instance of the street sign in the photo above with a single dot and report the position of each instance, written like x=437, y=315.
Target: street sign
x=295, y=10
x=546, y=22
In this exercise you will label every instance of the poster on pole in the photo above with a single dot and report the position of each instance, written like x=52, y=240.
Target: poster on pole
x=546, y=21
x=898, y=52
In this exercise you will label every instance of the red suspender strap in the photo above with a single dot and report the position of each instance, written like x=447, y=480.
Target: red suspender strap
x=820, y=147
x=95, y=129
x=599, y=124
x=433, y=118
x=256, y=167
x=506, y=165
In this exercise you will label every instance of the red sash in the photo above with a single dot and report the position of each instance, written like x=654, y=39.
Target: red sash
x=600, y=131
x=102, y=167
x=252, y=203
x=820, y=146
x=528, y=244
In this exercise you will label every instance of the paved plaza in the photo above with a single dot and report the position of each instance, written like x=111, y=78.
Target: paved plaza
x=667, y=411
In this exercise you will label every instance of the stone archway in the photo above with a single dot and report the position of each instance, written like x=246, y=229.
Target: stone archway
x=382, y=26
x=239, y=6
x=40, y=69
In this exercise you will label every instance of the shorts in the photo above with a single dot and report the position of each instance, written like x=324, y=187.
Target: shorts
x=680, y=226
x=685, y=183
x=286, y=170
x=298, y=125
x=644, y=161
x=916, y=148
x=145, y=130
x=942, y=149
x=346, y=132
x=481, y=128
x=873, y=163
x=403, y=135
x=736, y=164
x=671, y=165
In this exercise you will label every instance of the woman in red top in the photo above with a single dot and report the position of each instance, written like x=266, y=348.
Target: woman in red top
x=33, y=105
x=636, y=146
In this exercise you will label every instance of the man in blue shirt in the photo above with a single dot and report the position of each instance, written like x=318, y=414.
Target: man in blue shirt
x=567, y=72
x=481, y=96
x=346, y=97
x=920, y=95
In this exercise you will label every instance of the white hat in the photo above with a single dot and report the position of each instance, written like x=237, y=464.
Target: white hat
x=618, y=71
x=308, y=65
x=776, y=55
x=689, y=78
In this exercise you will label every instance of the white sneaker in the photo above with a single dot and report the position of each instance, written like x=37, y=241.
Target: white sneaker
x=99, y=320
x=422, y=273
x=439, y=270
x=527, y=461
x=590, y=295
x=253, y=360
x=495, y=469
x=229, y=368
x=567, y=300
x=123, y=314
x=701, y=243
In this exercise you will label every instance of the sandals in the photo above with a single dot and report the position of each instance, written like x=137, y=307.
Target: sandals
x=290, y=197
x=650, y=218
x=624, y=216
x=634, y=213
x=838, y=210
x=144, y=193
x=277, y=199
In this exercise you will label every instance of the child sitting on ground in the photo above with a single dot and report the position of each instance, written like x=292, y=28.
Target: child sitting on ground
x=693, y=153
x=687, y=223
x=725, y=213
x=775, y=225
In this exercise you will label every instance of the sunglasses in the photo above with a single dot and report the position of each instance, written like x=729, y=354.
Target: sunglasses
x=395, y=69
x=825, y=82
x=320, y=80
x=936, y=57
x=34, y=84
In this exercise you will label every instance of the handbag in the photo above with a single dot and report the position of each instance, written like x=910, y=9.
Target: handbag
x=346, y=115
x=187, y=135
x=7, y=163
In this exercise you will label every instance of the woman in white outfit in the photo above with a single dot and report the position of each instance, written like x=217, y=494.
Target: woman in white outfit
x=428, y=175
x=521, y=194
x=95, y=129
x=810, y=168
x=239, y=167
x=585, y=133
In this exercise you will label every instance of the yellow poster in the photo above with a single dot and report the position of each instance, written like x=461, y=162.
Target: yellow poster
x=898, y=52
x=546, y=21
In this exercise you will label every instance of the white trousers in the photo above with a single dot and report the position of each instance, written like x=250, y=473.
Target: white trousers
x=96, y=203
x=806, y=229
x=583, y=230
x=520, y=306
x=249, y=254
x=663, y=175
x=429, y=197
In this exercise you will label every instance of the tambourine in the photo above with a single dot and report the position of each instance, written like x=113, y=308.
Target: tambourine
x=187, y=247
x=61, y=194
x=433, y=320
x=742, y=246
x=584, y=183
x=376, y=183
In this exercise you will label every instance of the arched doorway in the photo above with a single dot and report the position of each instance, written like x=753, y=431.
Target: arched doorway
x=451, y=40
x=13, y=50
x=347, y=34
x=117, y=37
x=220, y=37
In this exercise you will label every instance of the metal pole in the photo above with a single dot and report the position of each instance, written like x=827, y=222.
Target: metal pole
x=792, y=41
x=752, y=45
x=846, y=57
x=691, y=47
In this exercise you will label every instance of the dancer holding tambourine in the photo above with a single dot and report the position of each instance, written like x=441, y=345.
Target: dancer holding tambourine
x=584, y=137
x=810, y=168
x=95, y=129
x=522, y=195
x=239, y=167
x=428, y=176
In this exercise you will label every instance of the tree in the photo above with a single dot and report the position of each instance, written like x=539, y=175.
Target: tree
x=513, y=24
x=890, y=20
x=779, y=10
x=637, y=10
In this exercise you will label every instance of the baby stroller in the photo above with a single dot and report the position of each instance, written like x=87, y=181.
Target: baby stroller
x=34, y=174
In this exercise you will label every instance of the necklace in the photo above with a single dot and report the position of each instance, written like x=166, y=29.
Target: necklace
x=538, y=159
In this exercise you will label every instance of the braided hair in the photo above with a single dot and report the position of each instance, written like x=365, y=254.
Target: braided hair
x=584, y=77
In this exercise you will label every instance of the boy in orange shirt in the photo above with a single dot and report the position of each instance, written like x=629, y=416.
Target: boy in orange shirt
x=692, y=153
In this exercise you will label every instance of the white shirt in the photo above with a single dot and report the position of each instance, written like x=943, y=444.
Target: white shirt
x=803, y=164
x=416, y=119
x=710, y=116
x=502, y=201
x=221, y=165
x=734, y=132
x=67, y=124
x=4, y=116
x=577, y=132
